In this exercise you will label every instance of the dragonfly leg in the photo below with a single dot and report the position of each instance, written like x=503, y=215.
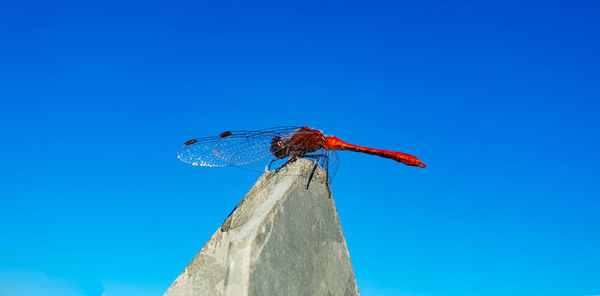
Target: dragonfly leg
x=317, y=157
x=327, y=177
x=312, y=173
x=292, y=159
x=270, y=163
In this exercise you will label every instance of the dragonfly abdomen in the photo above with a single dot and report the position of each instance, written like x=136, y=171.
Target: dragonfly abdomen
x=337, y=144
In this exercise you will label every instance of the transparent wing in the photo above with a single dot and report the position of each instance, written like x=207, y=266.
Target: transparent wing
x=248, y=149
x=328, y=161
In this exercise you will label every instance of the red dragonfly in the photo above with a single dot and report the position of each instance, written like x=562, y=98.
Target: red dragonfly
x=263, y=149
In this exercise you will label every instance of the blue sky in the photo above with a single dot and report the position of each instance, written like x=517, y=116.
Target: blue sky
x=500, y=100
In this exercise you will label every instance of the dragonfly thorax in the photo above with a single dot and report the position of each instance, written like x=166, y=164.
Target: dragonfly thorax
x=303, y=142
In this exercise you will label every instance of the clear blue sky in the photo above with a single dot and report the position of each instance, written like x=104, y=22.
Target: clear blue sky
x=500, y=100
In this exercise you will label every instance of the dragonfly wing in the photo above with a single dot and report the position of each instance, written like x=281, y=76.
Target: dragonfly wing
x=332, y=165
x=199, y=152
x=235, y=148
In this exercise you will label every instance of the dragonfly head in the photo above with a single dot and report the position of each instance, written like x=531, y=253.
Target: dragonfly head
x=278, y=147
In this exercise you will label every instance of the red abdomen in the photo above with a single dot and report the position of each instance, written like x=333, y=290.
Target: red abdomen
x=407, y=159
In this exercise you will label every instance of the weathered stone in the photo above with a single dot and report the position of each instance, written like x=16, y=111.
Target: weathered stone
x=281, y=239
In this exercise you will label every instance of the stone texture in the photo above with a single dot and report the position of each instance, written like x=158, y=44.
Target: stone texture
x=281, y=239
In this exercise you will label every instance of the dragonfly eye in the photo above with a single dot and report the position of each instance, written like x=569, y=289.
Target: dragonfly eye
x=277, y=147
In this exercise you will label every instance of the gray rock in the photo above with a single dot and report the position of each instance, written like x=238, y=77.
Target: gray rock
x=281, y=239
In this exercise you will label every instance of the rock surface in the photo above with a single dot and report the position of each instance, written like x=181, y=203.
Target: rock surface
x=281, y=239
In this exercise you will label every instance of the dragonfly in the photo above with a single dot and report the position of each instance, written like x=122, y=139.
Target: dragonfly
x=265, y=149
